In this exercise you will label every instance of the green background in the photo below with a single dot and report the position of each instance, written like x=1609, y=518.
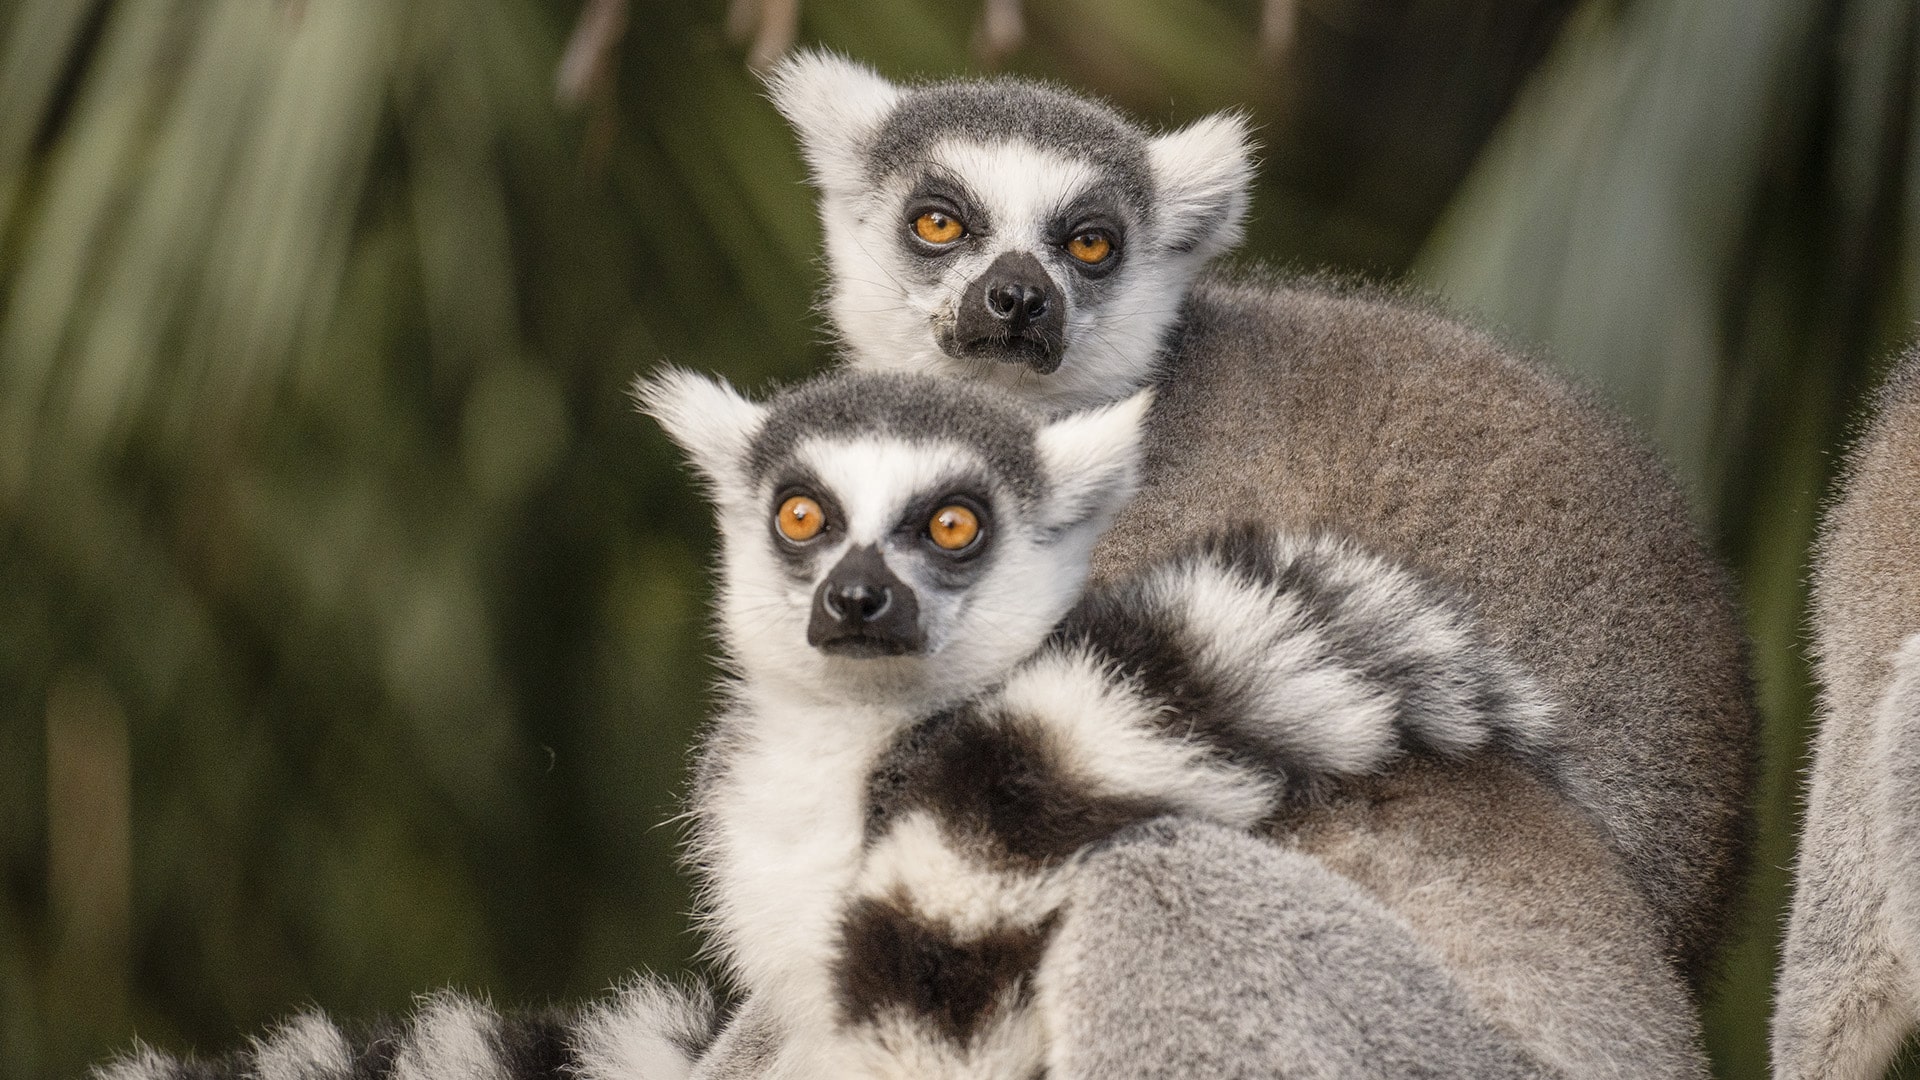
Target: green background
x=351, y=626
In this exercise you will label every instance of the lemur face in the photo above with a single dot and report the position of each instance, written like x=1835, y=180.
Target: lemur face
x=1008, y=230
x=891, y=538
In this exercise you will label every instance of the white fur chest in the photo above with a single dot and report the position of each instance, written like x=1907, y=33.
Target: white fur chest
x=786, y=823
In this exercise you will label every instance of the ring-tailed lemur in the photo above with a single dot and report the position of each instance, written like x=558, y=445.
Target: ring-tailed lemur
x=930, y=730
x=1014, y=233
x=1849, y=988
x=1567, y=926
x=926, y=735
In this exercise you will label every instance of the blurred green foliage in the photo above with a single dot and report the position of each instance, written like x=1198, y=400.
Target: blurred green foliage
x=321, y=504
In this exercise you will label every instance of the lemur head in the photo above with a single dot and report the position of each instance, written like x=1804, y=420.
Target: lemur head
x=1006, y=229
x=889, y=538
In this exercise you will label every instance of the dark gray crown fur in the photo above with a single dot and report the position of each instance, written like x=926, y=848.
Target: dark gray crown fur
x=1011, y=108
x=849, y=404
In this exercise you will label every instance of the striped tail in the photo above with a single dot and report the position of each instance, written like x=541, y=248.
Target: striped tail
x=1311, y=658
x=648, y=1030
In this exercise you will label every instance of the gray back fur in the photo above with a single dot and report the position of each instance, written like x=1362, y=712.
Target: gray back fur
x=1866, y=573
x=1850, y=967
x=1518, y=895
x=1307, y=407
x=1193, y=950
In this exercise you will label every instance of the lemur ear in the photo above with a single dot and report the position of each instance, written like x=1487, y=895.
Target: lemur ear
x=707, y=417
x=1204, y=172
x=834, y=104
x=1092, y=460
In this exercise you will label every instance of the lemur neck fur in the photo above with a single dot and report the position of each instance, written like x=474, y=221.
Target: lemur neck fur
x=789, y=819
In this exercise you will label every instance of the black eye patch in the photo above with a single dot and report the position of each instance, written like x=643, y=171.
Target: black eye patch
x=1097, y=212
x=800, y=560
x=939, y=192
x=948, y=569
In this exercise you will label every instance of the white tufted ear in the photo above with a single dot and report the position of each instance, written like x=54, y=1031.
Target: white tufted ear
x=1204, y=172
x=707, y=417
x=1092, y=461
x=834, y=104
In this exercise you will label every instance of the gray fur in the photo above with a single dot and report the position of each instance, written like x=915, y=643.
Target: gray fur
x=1849, y=988
x=1519, y=896
x=748, y=1049
x=1423, y=438
x=1192, y=950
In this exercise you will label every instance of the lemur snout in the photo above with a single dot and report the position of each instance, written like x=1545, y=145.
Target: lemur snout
x=1014, y=313
x=863, y=609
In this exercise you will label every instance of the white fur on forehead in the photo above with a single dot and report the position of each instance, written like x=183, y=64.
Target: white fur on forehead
x=1022, y=185
x=1092, y=461
x=1203, y=172
x=709, y=419
x=874, y=477
x=834, y=104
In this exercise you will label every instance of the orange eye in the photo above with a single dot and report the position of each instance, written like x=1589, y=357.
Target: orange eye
x=937, y=228
x=1090, y=247
x=800, y=519
x=954, y=528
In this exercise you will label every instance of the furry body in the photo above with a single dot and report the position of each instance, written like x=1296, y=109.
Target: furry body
x=1424, y=439
x=1849, y=989
x=1191, y=949
x=1225, y=685
x=1308, y=409
x=889, y=848
x=1178, y=923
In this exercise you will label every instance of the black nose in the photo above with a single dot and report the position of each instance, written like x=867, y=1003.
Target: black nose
x=862, y=609
x=1017, y=303
x=857, y=602
x=1013, y=312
